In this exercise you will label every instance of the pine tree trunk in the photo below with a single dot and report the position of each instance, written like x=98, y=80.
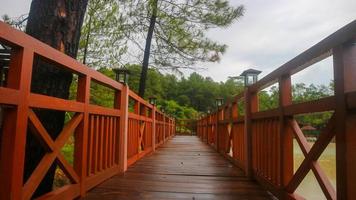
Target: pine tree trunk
x=87, y=41
x=58, y=24
x=146, y=57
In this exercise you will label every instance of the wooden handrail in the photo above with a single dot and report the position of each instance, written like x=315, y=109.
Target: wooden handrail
x=261, y=141
x=107, y=140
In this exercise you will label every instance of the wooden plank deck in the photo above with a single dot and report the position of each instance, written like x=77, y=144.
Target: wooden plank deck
x=183, y=168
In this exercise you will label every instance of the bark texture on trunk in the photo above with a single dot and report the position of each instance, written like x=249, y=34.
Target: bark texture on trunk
x=58, y=24
x=146, y=57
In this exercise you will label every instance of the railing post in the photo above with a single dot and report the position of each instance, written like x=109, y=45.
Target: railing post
x=251, y=106
x=124, y=107
x=153, y=128
x=15, y=127
x=344, y=76
x=285, y=133
x=81, y=133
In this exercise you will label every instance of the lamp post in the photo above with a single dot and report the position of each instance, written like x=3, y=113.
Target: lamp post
x=219, y=102
x=153, y=100
x=250, y=76
x=122, y=75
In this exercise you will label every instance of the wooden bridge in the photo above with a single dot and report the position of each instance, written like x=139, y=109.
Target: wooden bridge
x=128, y=151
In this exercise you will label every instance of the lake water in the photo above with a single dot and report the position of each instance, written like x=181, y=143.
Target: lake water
x=310, y=188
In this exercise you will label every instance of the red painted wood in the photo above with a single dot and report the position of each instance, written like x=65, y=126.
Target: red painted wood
x=267, y=142
x=100, y=147
x=261, y=141
x=344, y=75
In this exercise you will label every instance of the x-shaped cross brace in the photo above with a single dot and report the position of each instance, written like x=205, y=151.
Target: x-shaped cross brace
x=140, y=138
x=311, y=155
x=53, y=149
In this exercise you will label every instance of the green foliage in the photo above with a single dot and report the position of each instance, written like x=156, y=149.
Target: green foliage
x=194, y=91
x=317, y=120
x=186, y=98
x=179, y=39
x=102, y=36
x=101, y=95
x=300, y=93
x=67, y=152
x=268, y=99
x=182, y=98
x=172, y=108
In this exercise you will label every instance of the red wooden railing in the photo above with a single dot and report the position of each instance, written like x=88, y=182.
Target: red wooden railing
x=107, y=140
x=261, y=142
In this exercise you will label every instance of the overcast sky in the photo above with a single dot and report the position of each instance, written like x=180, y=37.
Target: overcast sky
x=269, y=34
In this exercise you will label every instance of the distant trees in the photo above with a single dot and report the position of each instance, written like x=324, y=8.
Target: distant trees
x=190, y=96
x=182, y=98
x=300, y=93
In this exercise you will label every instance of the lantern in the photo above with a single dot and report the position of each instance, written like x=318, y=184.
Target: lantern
x=219, y=102
x=250, y=76
x=153, y=100
x=122, y=75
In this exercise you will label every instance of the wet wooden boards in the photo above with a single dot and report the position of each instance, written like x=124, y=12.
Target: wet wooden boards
x=183, y=168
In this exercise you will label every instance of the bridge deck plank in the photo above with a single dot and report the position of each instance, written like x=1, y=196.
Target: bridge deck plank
x=183, y=168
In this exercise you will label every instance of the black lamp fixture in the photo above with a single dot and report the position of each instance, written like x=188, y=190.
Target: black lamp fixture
x=250, y=76
x=153, y=100
x=219, y=102
x=122, y=75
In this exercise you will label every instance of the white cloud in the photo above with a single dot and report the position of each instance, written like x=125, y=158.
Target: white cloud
x=270, y=34
x=273, y=32
x=14, y=8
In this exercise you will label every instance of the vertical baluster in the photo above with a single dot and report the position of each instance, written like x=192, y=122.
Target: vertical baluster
x=258, y=154
x=97, y=134
x=262, y=136
x=107, y=134
x=274, y=151
x=101, y=142
x=111, y=142
x=269, y=153
x=116, y=126
x=266, y=148
x=91, y=145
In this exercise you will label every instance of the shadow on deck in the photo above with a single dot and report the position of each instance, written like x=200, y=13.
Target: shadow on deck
x=183, y=168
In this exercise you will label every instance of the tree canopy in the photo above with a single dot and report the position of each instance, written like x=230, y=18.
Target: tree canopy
x=102, y=41
x=179, y=39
